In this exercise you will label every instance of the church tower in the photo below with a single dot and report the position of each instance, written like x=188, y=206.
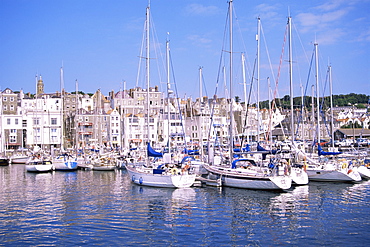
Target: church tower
x=40, y=86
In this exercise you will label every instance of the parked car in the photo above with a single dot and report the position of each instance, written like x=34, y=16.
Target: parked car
x=362, y=142
x=344, y=143
x=329, y=143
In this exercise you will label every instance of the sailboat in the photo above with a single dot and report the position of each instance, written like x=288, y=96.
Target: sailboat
x=64, y=161
x=331, y=168
x=246, y=172
x=158, y=170
x=298, y=172
x=39, y=165
x=4, y=161
x=19, y=158
x=39, y=162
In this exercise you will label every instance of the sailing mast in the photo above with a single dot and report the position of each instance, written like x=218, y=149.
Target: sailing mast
x=62, y=108
x=317, y=94
x=331, y=108
x=231, y=79
x=36, y=122
x=147, y=68
x=76, y=121
x=200, y=144
x=245, y=91
x=313, y=111
x=291, y=80
x=168, y=94
x=258, y=78
x=270, y=111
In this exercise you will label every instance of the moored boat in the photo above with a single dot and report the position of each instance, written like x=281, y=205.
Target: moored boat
x=161, y=176
x=244, y=173
x=4, y=161
x=19, y=159
x=332, y=172
x=364, y=172
x=65, y=162
x=103, y=164
x=39, y=165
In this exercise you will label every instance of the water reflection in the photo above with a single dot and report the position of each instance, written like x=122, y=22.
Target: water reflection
x=294, y=201
x=90, y=208
x=356, y=193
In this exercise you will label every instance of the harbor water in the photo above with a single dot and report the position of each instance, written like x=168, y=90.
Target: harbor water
x=84, y=208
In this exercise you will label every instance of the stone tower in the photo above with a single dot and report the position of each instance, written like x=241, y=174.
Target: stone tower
x=40, y=86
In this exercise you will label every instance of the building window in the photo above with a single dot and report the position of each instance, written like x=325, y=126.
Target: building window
x=53, y=130
x=12, y=107
x=4, y=99
x=5, y=108
x=36, y=121
x=24, y=123
x=54, y=121
x=8, y=121
x=11, y=99
x=12, y=139
x=16, y=121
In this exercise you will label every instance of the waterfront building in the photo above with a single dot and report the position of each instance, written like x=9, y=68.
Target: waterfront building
x=11, y=121
x=120, y=120
x=114, y=129
x=133, y=107
x=42, y=119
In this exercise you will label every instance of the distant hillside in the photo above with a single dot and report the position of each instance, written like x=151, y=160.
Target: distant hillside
x=338, y=100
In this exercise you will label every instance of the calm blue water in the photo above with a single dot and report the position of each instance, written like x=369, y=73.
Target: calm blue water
x=85, y=208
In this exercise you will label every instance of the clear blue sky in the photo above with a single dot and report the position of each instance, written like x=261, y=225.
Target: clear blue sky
x=99, y=42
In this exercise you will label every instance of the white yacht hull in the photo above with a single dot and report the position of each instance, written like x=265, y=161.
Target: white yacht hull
x=299, y=176
x=169, y=180
x=65, y=165
x=103, y=167
x=39, y=168
x=332, y=175
x=19, y=160
x=364, y=172
x=245, y=179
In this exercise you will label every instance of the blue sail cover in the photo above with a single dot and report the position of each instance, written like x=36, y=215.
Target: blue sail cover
x=153, y=153
x=186, y=158
x=265, y=151
x=246, y=149
x=191, y=152
x=260, y=148
x=321, y=152
x=233, y=164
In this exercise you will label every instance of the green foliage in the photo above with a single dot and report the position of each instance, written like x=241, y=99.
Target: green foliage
x=338, y=100
x=79, y=92
x=350, y=126
x=237, y=99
